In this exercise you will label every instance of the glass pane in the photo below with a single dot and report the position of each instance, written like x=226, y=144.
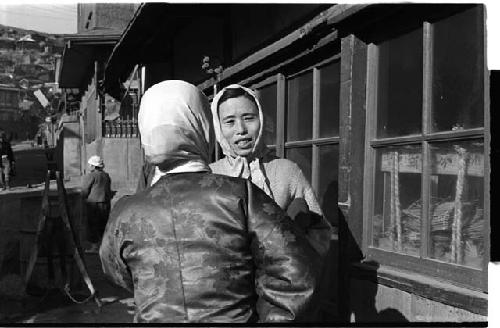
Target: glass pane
x=458, y=72
x=328, y=181
x=397, y=200
x=457, y=198
x=302, y=157
x=268, y=98
x=329, y=100
x=300, y=104
x=272, y=151
x=399, y=101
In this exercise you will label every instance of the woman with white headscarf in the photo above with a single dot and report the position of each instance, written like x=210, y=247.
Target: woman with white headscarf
x=239, y=123
x=201, y=247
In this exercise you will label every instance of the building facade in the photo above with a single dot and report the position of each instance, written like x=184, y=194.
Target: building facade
x=10, y=114
x=80, y=76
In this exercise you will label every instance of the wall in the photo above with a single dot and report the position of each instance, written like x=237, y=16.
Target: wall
x=115, y=15
x=252, y=25
x=249, y=27
x=71, y=149
x=191, y=46
x=10, y=114
x=107, y=15
x=86, y=18
x=88, y=106
x=374, y=302
x=19, y=213
x=122, y=159
x=157, y=72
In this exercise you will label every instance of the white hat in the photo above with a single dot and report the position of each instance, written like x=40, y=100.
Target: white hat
x=96, y=161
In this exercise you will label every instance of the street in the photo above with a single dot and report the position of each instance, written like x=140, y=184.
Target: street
x=52, y=305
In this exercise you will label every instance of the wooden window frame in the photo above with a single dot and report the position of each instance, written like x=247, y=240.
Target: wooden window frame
x=262, y=84
x=468, y=277
x=316, y=141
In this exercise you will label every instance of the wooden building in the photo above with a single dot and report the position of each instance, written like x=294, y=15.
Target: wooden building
x=10, y=113
x=81, y=73
x=385, y=107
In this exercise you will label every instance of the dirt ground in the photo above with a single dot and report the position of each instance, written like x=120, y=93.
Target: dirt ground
x=53, y=306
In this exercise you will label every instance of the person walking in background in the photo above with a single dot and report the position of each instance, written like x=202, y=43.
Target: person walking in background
x=202, y=247
x=7, y=161
x=96, y=191
x=238, y=123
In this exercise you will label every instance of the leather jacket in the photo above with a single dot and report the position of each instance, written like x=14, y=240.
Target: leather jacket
x=202, y=247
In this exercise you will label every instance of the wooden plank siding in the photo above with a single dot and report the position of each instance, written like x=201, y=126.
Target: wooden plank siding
x=326, y=18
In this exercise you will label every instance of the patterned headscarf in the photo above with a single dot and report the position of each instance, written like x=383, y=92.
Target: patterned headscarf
x=249, y=167
x=176, y=127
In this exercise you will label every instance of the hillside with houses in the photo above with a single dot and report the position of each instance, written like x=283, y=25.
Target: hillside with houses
x=28, y=90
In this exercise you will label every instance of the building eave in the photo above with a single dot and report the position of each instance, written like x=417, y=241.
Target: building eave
x=79, y=54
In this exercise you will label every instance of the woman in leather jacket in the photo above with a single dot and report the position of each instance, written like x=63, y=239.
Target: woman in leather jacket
x=202, y=247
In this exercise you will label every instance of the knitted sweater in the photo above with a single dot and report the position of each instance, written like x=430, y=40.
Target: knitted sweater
x=286, y=182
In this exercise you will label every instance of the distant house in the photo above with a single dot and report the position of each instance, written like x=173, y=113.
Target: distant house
x=7, y=43
x=9, y=110
x=6, y=64
x=27, y=43
x=6, y=79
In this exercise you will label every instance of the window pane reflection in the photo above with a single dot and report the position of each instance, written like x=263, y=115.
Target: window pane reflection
x=456, y=213
x=302, y=157
x=457, y=85
x=328, y=181
x=397, y=200
x=329, y=100
x=300, y=104
x=267, y=98
x=399, y=102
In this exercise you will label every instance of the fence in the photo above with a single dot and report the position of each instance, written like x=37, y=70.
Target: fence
x=127, y=128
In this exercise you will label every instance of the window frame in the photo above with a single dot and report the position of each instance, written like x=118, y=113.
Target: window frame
x=281, y=145
x=469, y=277
x=262, y=84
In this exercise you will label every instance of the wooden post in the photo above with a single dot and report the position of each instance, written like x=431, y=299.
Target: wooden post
x=352, y=116
x=98, y=108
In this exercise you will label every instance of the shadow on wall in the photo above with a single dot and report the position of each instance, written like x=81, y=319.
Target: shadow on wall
x=358, y=300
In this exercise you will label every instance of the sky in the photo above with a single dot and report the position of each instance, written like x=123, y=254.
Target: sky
x=56, y=17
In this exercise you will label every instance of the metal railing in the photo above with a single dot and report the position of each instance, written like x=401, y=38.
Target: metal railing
x=127, y=128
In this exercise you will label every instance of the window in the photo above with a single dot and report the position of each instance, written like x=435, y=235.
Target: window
x=267, y=98
x=425, y=150
x=312, y=129
x=301, y=123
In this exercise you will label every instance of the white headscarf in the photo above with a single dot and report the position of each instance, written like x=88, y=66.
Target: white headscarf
x=176, y=127
x=249, y=167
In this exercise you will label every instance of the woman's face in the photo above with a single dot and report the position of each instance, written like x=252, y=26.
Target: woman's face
x=240, y=124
